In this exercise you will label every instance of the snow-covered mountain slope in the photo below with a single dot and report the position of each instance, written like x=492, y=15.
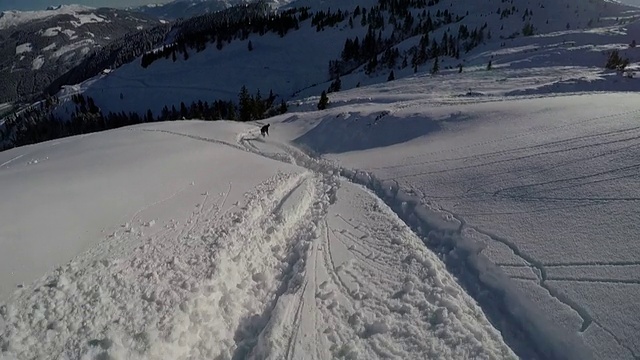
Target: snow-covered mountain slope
x=631, y=2
x=36, y=47
x=564, y=34
x=277, y=258
x=203, y=238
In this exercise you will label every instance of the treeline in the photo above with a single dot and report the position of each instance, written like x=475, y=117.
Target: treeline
x=40, y=122
x=221, y=28
x=407, y=18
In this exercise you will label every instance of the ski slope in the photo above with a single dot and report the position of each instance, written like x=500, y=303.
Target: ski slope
x=198, y=240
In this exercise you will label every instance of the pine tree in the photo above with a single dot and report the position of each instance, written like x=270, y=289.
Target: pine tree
x=528, y=29
x=392, y=76
x=324, y=101
x=258, y=106
x=183, y=111
x=164, y=115
x=436, y=66
x=283, y=107
x=616, y=62
x=336, y=85
x=231, y=111
x=489, y=65
x=250, y=46
x=244, y=104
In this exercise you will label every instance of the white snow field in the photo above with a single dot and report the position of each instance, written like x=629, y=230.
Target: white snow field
x=424, y=225
x=541, y=192
x=194, y=240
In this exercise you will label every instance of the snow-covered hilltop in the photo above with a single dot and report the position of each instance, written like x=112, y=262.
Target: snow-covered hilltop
x=201, y=239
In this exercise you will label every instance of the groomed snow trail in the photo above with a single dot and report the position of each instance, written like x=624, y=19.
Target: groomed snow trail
x=308, y=266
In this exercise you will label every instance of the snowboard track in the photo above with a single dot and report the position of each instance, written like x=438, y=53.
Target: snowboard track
x=529, y=335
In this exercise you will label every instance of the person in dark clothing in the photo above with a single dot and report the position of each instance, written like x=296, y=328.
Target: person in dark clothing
x=264, y=130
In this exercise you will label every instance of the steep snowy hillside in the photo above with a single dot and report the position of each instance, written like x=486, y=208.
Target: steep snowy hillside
x=479, y=202
x=12, y=18
x=164, y=246
x=402, y=38
x=36, y=47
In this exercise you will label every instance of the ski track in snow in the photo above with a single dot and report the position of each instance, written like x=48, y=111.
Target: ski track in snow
x=625, y=138
x=284, y=275
x=581, y=149
x=348, y=287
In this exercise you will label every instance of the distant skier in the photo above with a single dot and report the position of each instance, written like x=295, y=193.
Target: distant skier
x=264, y=130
